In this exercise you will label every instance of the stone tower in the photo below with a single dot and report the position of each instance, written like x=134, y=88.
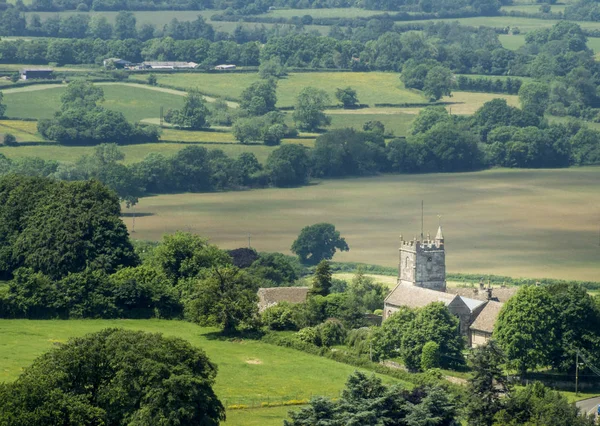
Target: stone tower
x=423, y=263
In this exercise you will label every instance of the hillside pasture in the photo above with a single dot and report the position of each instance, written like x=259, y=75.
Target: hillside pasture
x=373, y=87
x=529, y=223
x=250, y=372
x=135, y=102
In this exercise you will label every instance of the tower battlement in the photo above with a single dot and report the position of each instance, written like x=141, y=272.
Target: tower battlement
x=423, y=262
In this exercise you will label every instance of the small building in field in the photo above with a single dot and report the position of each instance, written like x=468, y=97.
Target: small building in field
x=272, y=296
x=36, y=73
x=117, y=62
x=168, y=65
x=225, y=67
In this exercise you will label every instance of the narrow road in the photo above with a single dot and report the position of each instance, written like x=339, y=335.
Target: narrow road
x=589, y=406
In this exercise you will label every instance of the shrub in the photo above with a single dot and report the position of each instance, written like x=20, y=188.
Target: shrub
x=279, y=317
x=10, y=139
x=332, y=332
x=309, y=335
x=430, y=356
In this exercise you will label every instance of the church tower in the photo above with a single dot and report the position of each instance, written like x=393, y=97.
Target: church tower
x=423, y=263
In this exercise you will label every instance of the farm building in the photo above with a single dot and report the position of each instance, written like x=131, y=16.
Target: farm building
x=36, y=73
x=117, y=62
x=271, y=296
x=157, y=65
x=225, y=67
x=422, y=280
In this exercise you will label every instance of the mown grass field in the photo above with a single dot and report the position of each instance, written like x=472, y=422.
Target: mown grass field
x=136, y=103
x=250, y=372
x=530, y=223
x=373, y=87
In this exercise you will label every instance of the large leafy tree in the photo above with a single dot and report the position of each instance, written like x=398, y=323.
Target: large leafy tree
x=115, y=377
x=321, y=279
x=433, y=323
x=225, y=296
x=438, y=83
x=260, y=97
x=308, y=111
x=533, y=97
x=527, y=328
x=318, y=242
x=68, y=227
x=288, y=165
x=194, y=113
x=387, y=338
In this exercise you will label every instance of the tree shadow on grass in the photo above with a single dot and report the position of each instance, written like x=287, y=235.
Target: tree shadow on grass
x=131, y=214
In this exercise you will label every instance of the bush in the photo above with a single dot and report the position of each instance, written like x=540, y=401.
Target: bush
x=279, y=317
x=10, y=139
x=332, y=332
x=430, y=356
x=309, y=335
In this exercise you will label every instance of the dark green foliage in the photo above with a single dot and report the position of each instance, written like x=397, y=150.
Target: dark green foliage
x=433, y=323
x=332, y=332
x=347, y=97
x=430, y=356
x=59, y=228
x=270, y=129
x=225, y=297
x=538, y=405
x=309, y=335
x=534, y=97
x=152, y=81
x=438, y=83
x=487, y=386
x=366, y=401
x=260, y=97
x=347, y=152
x=9, y=139
x=288, y=165
x=407, y=331
x=279, y=317
x=243, y=257
x=276, y=269
x=308, y=110
x=527, y=328
x=183, y=255
x=386, y=340
x=193, y=115
x=318, y=242
x=321, y=282
x=115, y=377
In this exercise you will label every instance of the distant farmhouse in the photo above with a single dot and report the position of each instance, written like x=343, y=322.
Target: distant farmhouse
x=117, y=62
x=158, y=65
x=422, y=280
x=36, y=73
x=225, y=67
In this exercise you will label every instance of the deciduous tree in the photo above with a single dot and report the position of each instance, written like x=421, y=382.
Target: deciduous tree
x=318, y=242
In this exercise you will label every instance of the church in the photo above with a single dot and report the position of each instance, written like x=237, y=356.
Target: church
x=422, y=280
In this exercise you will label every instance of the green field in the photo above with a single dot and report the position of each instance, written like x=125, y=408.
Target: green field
x=524, y=24
x=373, y=87
x=250, y=372
x=532, y=8
x=530, y=223
x=341, y=12
x=136, y=103
x=164, y=17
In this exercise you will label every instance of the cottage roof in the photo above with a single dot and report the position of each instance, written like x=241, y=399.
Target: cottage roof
x=417, y=297
x=274, y=295
x=499, y=294
x=472, y=304
x=487, y=317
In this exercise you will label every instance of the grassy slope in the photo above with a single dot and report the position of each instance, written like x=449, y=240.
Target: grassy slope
x=524, y=24
x=371, y=87
x=277, y=374
x=135, y=103
x=532, y=223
